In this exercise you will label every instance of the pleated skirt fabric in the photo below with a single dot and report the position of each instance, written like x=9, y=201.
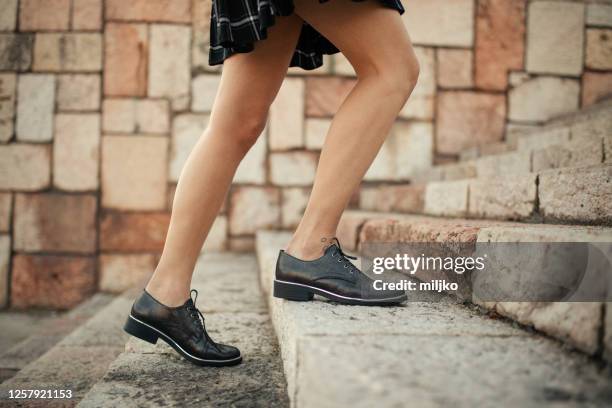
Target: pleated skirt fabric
x=237, y=24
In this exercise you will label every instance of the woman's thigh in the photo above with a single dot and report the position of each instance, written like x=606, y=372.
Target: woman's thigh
x=371, y=36
x=250, y=81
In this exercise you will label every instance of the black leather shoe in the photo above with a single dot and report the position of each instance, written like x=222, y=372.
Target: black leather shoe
x=332, y=276
x=182, y=328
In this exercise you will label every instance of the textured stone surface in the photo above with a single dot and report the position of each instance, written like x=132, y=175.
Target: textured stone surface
x=8, y=18
x=454, y=22
x=136, y=116
x=186, y=130
x=420, y=105
x=447, y=198
x=287, y=116
x=500, y=31
x=134, y=171
x=407, y=151
x=509, y=197
x=543, y=138
x=119, y=272
x=169, y=72
x=5, y=259
x=25, y=167
x=555, y=38
x=35, y=107
x=133, y=232
x=575, y=153
x=87, y=15
x=76, y=151
x=78, y=92
x=403, y=198
x=542, y=98
x=126, y=48
x=294, y=202
x=16, y=51
x=324, y=95
x=37, y=279
x=599, y=14
x=252, y=208
x=200, y=19
x=175, y=11
x=6, y=210
x=577, y=194
x=216, y=241
x=44, y=15
x=467, y=119
x=55, y=222
x=8, y=88
x=74, y=52
x=455, y=68
x=599, y=48
x=293, y=168
x=316, y=132
x=252, y=168
x=595, y=85
x=514, y=163
x=203, y=89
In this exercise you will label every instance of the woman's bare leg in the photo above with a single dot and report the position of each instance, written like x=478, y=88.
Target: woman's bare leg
x=376, y=43
x=249, y=84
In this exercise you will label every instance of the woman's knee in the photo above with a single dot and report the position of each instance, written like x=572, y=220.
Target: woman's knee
x=244, y=130
x=397, y=75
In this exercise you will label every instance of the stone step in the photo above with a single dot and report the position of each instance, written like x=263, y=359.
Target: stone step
x=581, y=195
x=48, y=334
x=421, y=354
x=578, y=324
x=77, y=361
x=594, y=121
x=144, y=375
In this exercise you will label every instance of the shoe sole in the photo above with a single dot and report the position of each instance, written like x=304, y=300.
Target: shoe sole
x=302, y=293
x=150, y=334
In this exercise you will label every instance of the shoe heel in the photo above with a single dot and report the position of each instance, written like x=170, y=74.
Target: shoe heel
x=141, y=331
x=291, y=292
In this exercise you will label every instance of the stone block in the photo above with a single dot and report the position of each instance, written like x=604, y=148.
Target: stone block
x=599, y=14
x=407, y=151
x=324, y=95
x=87, y=15
x=186, y=130
x=217, y=241
x=466, y=119
x=408, y=198
x=126, y=52
x=25, y=167
x=68, y=52
x=577, y=194
x=542, y=98
x=500, y=43
x=421, y=102
x=541, y=138
x=315, y=132
x=55, y=223
x=5, y=260
x=8, y=18
x=8, y=87
x=120, y=272
x=253, y=208
x=506, y=197
x=133, y=232
x=595, y=86
x=293, y=168
x=294, y=201
x=447, y=198
x=169, y=64
x=6, y=210
x=599, y=48
x=203, y=90
x=608, y=149
x=454, y=22
x=76, y=151
x=150, y=116
x=286, y=122
x=458, y=171
x=200, y=21
x=78, y=92
x=152, y=11
x=36, y=281
x=502, y=164
x=455, y=67
x=555, y=38
x=16, y=52
x=134, y=172
x=252, y=169
x=35, y=107
x=342, y=66
x=575, y=153
x=40, y=15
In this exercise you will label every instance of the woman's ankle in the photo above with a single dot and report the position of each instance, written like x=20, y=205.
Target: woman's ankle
x=308, y=249
x=169, y=294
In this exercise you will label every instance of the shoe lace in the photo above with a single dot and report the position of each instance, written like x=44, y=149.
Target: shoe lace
x=343, y=257
x=197, y=315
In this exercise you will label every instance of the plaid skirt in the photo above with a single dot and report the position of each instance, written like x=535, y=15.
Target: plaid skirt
x=236, y=25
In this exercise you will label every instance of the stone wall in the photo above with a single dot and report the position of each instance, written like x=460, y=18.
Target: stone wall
x=101, y=101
